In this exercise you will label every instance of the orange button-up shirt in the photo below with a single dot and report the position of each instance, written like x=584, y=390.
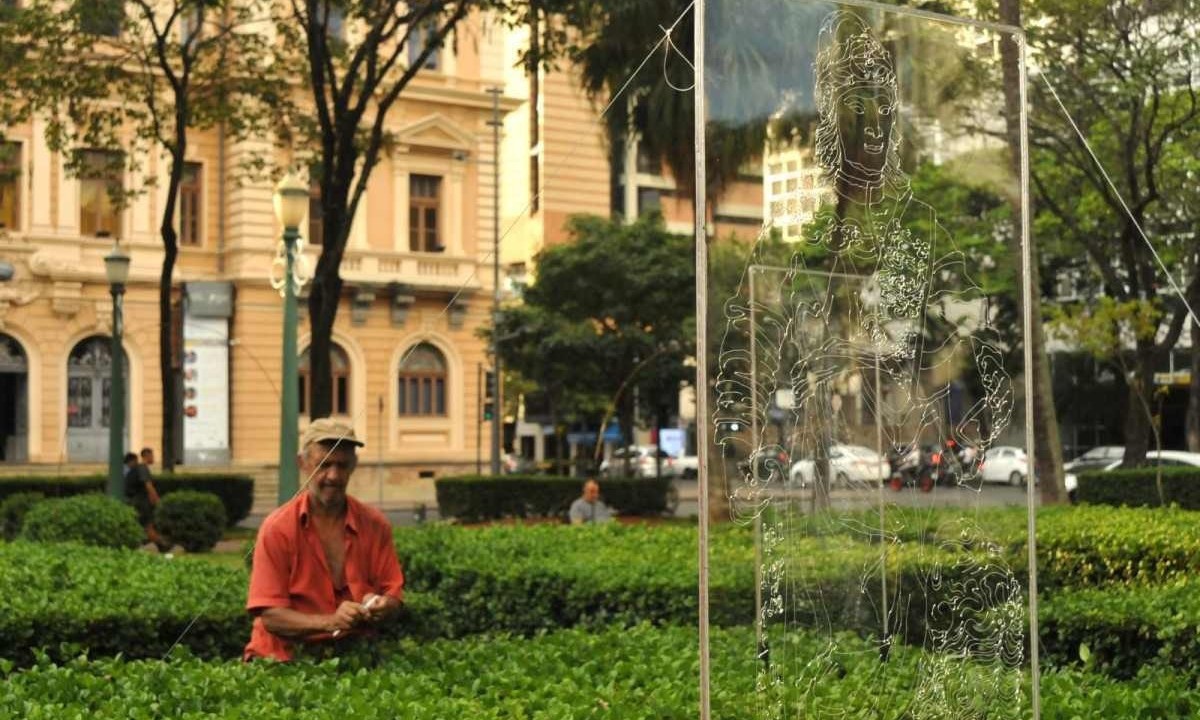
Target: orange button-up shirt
x=290, y=569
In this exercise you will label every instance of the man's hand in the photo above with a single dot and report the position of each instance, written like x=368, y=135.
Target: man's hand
x=379, y=607
x=348, y=615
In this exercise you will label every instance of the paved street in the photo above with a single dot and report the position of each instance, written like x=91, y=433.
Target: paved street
x=988, y=496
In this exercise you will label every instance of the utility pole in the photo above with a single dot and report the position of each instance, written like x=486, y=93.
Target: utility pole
x=496, y=414
x=479, y=420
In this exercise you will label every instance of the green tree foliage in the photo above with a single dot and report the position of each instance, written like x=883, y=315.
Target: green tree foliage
x=1126, y=72
x=356, y=58
x=610, y=311
x=137, y=78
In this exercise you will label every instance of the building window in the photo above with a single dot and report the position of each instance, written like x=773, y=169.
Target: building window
x=316, y=217
x=10, y=185
x=649, y=200
x=101, y=17
x=420, y=38
x=424, y=199
x=99, y=190
x=422, y=382
x=340, y=365
x=189, y=204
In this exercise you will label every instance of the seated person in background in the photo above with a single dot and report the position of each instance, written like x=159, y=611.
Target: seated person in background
x=325, y=566
x=589, y=508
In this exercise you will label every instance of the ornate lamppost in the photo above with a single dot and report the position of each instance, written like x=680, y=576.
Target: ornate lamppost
x=288, y=275
x=116, y=267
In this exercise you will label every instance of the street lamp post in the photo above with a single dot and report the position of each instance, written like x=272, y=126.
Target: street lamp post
x=291, y=203
x=116, y=267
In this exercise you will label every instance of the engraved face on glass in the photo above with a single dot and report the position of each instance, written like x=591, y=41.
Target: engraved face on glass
x=865, y=117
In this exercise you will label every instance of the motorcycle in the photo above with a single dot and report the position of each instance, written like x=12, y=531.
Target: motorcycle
x=910, y=469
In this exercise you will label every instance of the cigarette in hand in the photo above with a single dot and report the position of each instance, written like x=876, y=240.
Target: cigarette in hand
x=369, y=601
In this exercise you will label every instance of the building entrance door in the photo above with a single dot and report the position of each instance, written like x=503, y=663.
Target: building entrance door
x=89, y=380
x=14, y=401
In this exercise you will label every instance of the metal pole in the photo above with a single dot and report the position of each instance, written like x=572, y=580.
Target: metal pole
x=116, y=399
x=496, y=414
x=289, y=432
x=702, y=389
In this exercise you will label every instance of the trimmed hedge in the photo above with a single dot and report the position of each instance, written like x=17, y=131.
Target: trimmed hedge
x=235, y=491
x=92, y=519
x=1138, y=487
x=475, y=498
x=192, y=519
x=13, y=510
x=637, y=673
x=1124, y=629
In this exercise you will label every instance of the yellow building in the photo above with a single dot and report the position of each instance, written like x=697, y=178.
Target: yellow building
x=420, y=420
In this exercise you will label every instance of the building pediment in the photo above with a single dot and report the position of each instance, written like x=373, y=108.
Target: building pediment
x=436, y=131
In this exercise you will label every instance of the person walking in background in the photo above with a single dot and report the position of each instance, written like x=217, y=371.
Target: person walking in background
x=142, y=495
x=589, y=508
x=147, y=458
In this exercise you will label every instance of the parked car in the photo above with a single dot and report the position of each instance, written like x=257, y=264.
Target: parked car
x=687, y=467
x=847, y=463
x=641, y=462
x=1165, y=458
x=1005, y=464
x=1096, y=457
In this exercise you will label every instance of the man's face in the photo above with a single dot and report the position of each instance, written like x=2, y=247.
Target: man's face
x=866, y=114
x=147, y=457
x=591, y=492
x=328, y=473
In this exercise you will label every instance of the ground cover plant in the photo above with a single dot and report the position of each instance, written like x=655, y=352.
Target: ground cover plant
x=639, y=672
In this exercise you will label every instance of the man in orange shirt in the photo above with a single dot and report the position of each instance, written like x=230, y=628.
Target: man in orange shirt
x=325, y=566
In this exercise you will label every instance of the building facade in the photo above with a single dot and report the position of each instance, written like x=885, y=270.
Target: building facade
x=408, y=356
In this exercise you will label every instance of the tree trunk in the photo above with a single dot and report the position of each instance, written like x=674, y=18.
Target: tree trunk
x=166, y=316
x=1139, y=432
x=1193, y=410
x=1047, y=450
x=322, y=312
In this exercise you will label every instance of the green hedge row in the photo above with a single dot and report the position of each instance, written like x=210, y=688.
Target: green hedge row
x=1138, y=487
x=235, y=491
x=1120, y=630
x=474, y=498
x=642, y=672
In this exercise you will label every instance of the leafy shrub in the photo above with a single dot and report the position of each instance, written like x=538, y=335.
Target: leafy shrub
x=236, y=491
x=1138, y=487
x=622, y=674
x=192, y=519
x=473, y=498
x=91, y=519
x=13, y=509
x=68, y=599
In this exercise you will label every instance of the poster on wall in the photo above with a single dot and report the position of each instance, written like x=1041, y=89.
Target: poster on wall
x=205, y=400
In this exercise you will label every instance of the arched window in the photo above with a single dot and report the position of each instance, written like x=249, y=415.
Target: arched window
x=422, y=382
x=14, y=369
x=340, y=365
x=89, y=378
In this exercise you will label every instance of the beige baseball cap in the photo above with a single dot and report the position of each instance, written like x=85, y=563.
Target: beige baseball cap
x=329, y=430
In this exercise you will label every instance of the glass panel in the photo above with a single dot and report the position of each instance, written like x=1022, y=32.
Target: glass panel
x=424, y=358
x=440, y=400
x=339, y=395
x=402, y=397
x=860, y=362
x=105, y=403
x=426, y=396
x=10, y=180
x=79, y=402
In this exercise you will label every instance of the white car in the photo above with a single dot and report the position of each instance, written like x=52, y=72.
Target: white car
x=1097, y=457
x=687, y=467
x=847, y=463
x=641, y=462
x=1004, y=464
x=1165, y=458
